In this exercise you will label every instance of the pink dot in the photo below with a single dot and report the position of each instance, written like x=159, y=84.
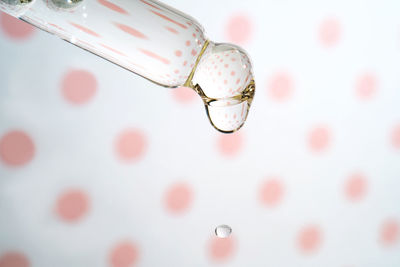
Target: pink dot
x=194, y=52
x=194, y=35
x=232, y=73
x=184, y=95
x=184, y=63
x=124, y=254
x=15, y=28
x=176, y=71
x=178, y=198
x=280, y=86
x=329, y=32
x=16, y=148
x=78, y=86
x=271, y=192
x=239, y=29
x=14, y=259
x=221, y=249
x=131, y=145
x=319, y=139
x=219, y=73
x=187, y=43
x=226, y=65
x=72, y=205
x=178, y=53
x=355, y=187
x=389, y=234
x=230, y=144
x=366, y=85
x=395, y=138
x=309, y=239
x=225, y=81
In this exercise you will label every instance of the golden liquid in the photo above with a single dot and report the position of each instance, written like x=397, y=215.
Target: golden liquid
x=244, y=97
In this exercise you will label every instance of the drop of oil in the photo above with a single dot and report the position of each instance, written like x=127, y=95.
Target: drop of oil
x=224, y=80
x=223, y=231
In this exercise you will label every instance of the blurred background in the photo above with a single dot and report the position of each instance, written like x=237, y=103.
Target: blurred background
x=99, y=167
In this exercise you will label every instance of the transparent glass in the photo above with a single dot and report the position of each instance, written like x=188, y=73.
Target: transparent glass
x=156, y=42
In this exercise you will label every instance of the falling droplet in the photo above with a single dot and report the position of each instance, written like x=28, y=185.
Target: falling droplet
x=223, y=231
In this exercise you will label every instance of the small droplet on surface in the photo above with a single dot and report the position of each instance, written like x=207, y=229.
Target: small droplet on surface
x=223, y=231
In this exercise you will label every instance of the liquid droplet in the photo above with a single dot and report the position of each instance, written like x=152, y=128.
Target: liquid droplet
x=223, y=231
x=228, y=90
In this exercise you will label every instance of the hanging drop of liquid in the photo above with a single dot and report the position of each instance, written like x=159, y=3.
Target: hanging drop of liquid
x=223, y=78
x=223, y=231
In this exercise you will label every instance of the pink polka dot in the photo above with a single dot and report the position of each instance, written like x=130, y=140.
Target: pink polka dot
x=280, y=86
x=319, y=139
x=194, y=52
x=395, y=138
x=72, y=205
x=271, y=192
x=78, y=86
x=131, y=145
x=230, y=144
x=15, y=28
x=124, y=254
x=16, y=148
x=184, y=95
x=178, y=53
x=178, y=198
x=389, y=234
x=355, y=187
x=233, y=73
x=366, y=86
x=309, y=239
x=187, y=43
x=239, y=29
x=329, y=32
x=14, y=259
x=221, y=249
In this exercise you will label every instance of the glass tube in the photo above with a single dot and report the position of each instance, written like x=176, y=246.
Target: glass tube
x=154, y=41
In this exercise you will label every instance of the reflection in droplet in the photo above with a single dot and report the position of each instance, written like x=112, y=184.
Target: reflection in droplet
x=223, y=231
